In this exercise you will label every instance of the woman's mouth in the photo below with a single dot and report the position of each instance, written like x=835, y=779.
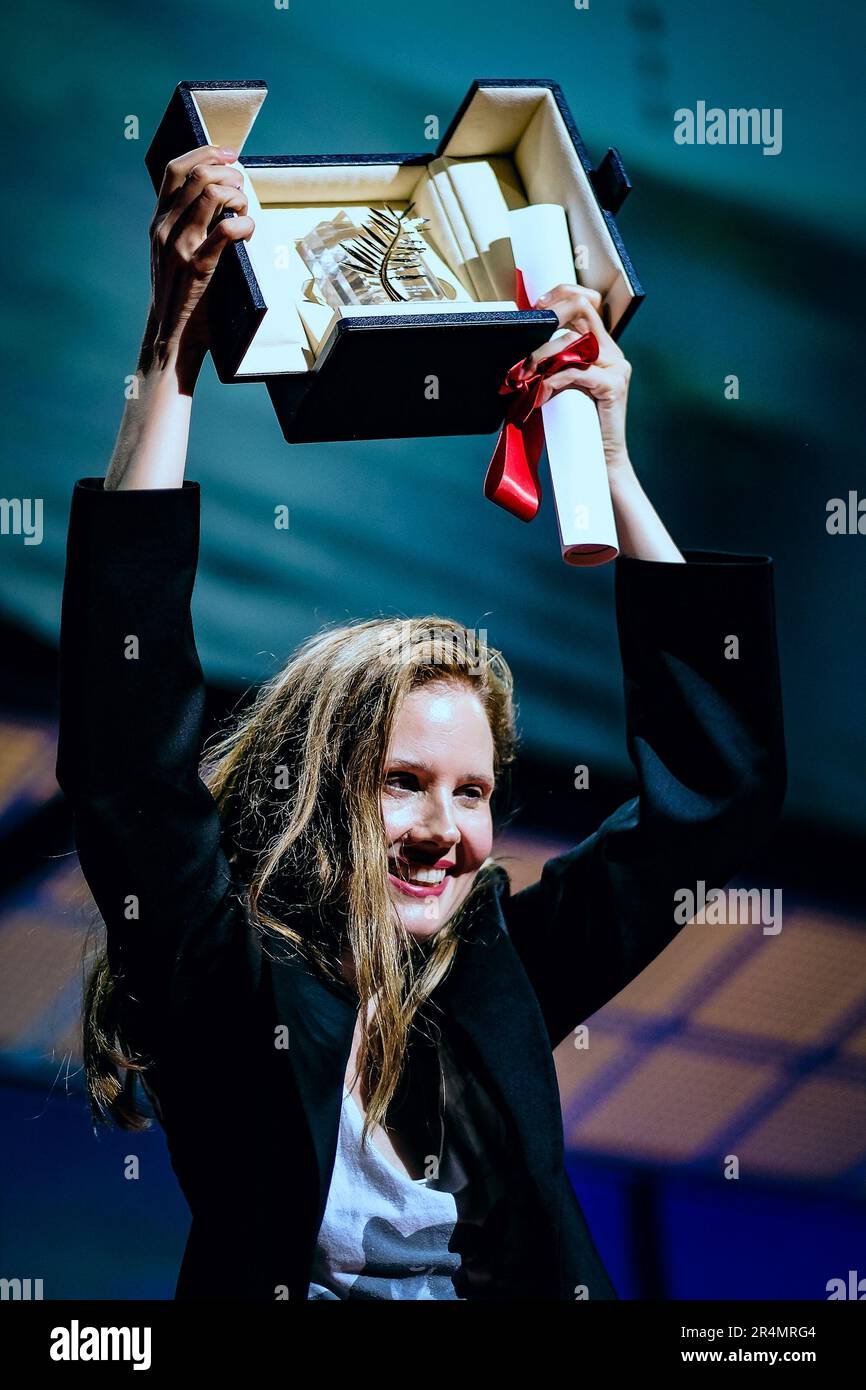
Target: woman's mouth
x=419, y=880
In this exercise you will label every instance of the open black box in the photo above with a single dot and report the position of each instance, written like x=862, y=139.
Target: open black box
x=361, y=373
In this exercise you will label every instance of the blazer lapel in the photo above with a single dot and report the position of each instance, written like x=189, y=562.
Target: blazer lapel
x=320, y=1022
x=488, y=996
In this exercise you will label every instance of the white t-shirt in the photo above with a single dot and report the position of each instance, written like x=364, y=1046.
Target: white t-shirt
x=384, y=1234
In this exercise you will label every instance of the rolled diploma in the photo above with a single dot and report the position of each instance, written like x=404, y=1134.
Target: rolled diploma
x=572, y=433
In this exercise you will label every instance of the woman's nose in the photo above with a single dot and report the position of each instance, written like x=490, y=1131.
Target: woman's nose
x=439, y=824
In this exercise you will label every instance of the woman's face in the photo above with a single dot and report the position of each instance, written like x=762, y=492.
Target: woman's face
x=436, y=803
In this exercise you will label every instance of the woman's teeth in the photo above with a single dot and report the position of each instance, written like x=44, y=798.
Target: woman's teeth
x=417, y=875
x=427, y=876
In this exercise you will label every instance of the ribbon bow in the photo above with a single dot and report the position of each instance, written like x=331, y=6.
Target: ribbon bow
x=512, y=478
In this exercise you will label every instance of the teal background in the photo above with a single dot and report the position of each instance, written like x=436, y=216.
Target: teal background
x=753, y=265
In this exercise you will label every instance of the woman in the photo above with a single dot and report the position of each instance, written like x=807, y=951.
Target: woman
x=343, y=1017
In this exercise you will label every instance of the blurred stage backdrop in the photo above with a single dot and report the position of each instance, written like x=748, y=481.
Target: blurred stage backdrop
x=734, y=1042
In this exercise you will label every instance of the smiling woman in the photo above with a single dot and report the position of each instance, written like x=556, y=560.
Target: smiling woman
x=436, y=814
x=312, y=960
x=358, y=733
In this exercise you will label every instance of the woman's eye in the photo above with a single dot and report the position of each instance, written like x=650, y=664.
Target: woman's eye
x=401, y=781
x=472, y=793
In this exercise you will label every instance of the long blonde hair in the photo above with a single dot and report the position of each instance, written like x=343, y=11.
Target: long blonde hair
x=297, y=780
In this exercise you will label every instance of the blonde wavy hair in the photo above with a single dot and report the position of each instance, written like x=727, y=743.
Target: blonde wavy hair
x=298, y=780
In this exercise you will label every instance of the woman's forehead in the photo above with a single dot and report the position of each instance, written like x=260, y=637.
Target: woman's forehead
x=437, y=717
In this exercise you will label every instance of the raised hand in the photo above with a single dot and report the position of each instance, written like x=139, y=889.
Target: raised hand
x=188, y=234
x=606, y=381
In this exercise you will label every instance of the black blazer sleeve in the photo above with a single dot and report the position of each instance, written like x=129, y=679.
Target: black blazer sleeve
x=705, y=735
x=131, y=703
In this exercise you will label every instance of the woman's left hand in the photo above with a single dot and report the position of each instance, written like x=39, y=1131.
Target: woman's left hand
x=606, y=381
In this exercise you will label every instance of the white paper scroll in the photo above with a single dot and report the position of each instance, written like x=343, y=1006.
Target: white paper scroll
x=581, y=494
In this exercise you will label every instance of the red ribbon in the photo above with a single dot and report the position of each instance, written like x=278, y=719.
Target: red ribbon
x=512, y=478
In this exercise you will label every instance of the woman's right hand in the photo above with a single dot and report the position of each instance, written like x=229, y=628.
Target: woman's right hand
x=185, y=246
x=186, y=243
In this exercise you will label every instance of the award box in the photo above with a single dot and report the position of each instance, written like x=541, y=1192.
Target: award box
x=394, y=371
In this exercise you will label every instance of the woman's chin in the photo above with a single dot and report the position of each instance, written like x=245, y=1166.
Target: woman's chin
x=419, y=931
x=422, y=917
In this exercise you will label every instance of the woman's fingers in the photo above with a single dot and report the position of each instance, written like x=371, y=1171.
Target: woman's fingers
x=196, y=188
x=188, y=234
x=194, y=223
x=200, y=177
x=230, y=229
x=577, y=306
x=604, y=384
x=554, y=345
x=606, y=381
x=176, y=170
x=207, y=188
x=562, y=294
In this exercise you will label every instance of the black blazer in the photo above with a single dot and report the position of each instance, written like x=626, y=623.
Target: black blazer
x=252, y=1127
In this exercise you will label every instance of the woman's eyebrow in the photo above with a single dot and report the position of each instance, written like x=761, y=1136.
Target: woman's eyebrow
x=415, y=764
x=419, y=765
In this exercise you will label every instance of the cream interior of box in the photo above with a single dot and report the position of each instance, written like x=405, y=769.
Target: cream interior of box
x=512, y=135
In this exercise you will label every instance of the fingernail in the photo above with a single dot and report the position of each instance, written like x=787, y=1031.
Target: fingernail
x=228, y=154
x=543, y=299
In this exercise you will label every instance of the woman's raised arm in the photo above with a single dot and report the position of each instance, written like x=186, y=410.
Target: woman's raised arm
x=705, y=735
x=186, y=244
x=704, y=731
x=132, y=692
